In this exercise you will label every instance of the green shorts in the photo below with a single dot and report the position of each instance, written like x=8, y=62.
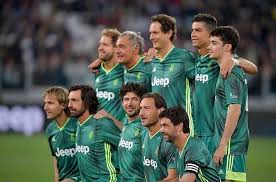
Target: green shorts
x=233, y=168
x=209, y=142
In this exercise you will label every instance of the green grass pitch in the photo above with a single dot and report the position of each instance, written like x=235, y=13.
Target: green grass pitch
x=27, y=159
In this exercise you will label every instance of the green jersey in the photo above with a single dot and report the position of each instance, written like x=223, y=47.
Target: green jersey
x=96, y=150
x=130, y=151
x=139, y=73
x=195, y=158
x=158, y=157
x=233, y=90
x=171, y=78
x=207, y=71
x=62, y=145
x=108, y=85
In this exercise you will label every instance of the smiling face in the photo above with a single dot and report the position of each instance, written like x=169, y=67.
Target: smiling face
x=216, y=47
x=106, y=48
x=76, y=105
x=125, y=50
x=52, y=107
x=168, y=129
x=158, y=38
x=200, y=35
x=131, y=104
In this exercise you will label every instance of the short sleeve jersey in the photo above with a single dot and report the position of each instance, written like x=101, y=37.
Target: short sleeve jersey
x=108, y=85
x=62, y=146
x=233, y=90
x=130, y=151
x=96, y=150
x=172, y=77
x=207, y=71
x=158, y=157
x=139, y=73
x=195, y=158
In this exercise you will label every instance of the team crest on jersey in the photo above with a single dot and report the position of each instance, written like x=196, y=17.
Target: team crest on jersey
x=139, y=76
x=171, y=69
x=115, y=82
x=90, y=135
x=137, y=131
x=73, y=137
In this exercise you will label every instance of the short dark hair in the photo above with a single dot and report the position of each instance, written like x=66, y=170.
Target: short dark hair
x=137, y=88
x=113, y=33
x=228, y=35
x=177, y=115
x=208, y=19
x=159, y=101
x=167, y=23
x=88, y=96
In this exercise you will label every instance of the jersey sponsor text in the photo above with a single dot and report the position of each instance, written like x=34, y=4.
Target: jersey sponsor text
x=160, y=81
x=82, y=149
x=65, y=152
x=150, y=162
x=126, y=144
x=105, y=95
x=202, y=78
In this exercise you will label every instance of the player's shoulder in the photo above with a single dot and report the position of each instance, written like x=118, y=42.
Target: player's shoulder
x=106, y=123
x=195, y=145
x=237, y=73
x=51, y=128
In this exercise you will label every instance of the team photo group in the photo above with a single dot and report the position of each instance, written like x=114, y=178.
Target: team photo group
x=162, y=114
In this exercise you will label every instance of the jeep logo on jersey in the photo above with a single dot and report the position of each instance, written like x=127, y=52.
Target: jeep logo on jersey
x=202, y=78
x=150, y=162
x=82, y=149
x=66, y=152
x=126, y=144
x=105, y=95
x=160, y=81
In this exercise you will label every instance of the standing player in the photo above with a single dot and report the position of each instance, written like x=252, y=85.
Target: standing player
x=132, y=136
x=110, y=78
x=173, y=68
x=61, y=134
x=129, y=50
x=158, y=155
x=207, y=72
x=97, y=139
x=230, y=109
x=195, y=163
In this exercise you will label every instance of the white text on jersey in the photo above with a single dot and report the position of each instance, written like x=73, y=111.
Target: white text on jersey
x=202, y=78
x=160, y=81
x=126, y=144
x=150, y=162
x=65, y=152
x=105, y=95
x=82, y=149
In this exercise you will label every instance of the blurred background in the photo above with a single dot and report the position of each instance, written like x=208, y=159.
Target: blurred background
x=46, y=43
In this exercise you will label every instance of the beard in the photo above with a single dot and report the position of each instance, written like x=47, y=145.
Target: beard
x=132, y=114
x=77, y=114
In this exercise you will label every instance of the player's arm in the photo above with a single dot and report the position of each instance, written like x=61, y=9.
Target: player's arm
x=103, y=114
x=172, y=176
x=188, y=177
x=232, y=118
x=247, y=66
x=56, y=176
x=94, y=65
